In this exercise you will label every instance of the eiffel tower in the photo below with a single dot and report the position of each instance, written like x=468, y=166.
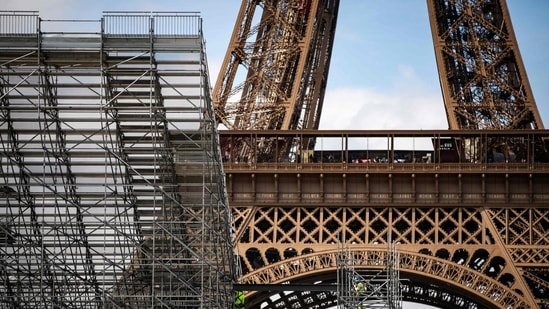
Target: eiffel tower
x=113, y=193
x=468, y=217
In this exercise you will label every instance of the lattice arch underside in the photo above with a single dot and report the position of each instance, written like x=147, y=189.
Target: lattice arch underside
x=459, y=238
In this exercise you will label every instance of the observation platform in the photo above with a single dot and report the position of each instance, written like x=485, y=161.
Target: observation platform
x=391, y=168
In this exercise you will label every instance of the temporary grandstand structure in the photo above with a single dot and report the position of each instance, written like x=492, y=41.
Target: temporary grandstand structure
x=112, y=194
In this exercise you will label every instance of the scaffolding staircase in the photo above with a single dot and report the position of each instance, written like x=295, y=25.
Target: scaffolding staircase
x=169, y=141
x=110, y=149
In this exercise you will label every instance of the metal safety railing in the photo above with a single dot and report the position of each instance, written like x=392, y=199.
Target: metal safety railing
x=20, y=23
x=130, y=24
x=122, y=24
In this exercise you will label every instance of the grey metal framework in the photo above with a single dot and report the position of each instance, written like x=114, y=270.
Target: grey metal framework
x=112, y=191
x=368, y=279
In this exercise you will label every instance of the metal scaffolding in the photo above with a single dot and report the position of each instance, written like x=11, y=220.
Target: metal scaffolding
x=113, y=192
x=368, y=279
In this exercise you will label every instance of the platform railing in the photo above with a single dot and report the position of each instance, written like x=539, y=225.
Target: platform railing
x=132, y=24
x=114, y=23
x=18, y=23
x=390, y=167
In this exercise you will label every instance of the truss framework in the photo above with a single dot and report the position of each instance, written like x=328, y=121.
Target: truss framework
x=447, y=257
x=275, y=70
x=288, y=221
x=469, y=234
x=362, y=287
x=113, y=194
x=484, y=82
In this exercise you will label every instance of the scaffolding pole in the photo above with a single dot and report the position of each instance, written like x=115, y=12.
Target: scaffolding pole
x=113, y=190
x=376, y=285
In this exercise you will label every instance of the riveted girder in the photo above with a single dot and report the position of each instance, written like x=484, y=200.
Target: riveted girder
x=275, y=70
x=469, y=225
x=483, y=79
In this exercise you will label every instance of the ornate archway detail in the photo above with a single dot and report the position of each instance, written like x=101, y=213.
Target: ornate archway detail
x=412, y=264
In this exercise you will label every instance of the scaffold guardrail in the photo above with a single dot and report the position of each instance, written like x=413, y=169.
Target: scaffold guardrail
x=21, y=23
x=118, y=24
x=148, y=23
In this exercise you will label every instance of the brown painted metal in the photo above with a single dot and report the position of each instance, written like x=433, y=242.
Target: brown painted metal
x=470, y=219
x=471, y=186
x=274, y=73
x=484, y=82
x=468, y=233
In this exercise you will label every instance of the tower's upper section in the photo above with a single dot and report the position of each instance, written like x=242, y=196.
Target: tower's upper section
x=483, y=79
x=275, y=69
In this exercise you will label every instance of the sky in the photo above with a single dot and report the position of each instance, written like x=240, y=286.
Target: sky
x=383, y=72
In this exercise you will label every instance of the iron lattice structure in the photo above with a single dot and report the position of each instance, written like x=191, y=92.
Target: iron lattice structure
x=468, y=234
x=275, y=70
x=112, y=188
x=484, y=82
x=288, y=221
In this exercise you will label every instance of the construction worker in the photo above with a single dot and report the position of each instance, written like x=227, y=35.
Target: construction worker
x=239, y=299
x=359, y=287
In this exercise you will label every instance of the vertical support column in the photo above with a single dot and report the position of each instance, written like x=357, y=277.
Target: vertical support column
x=367, y=187
x=413, y=184
x=531, y=188
x=18, y=203
x=299, y=191
x=321, y=187
x=390, y=185
x=483, y=180
x=460, y=188
x=230, y=186
x=437, y=189
x=483, y=79
x=507, y=189
x=344, y=187
x=284, y=72
x=276, y=193
x=253, y=193
x=392, y=149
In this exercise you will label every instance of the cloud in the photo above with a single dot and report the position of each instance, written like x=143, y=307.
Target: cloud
x=408, y=103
